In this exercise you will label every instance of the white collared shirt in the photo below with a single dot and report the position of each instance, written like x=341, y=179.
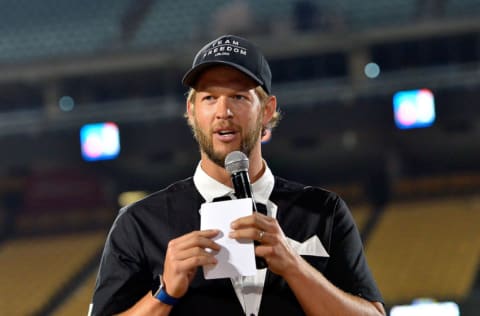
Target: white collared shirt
x=248, y=289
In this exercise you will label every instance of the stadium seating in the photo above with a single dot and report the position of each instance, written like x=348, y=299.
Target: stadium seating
x=462, y=8
x=46, y=29
x=362, y=15
x=41, y=266
x=78, y=302
x=426, y=248
x=50, y=28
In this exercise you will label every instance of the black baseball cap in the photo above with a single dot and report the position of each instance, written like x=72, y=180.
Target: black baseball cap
x=233, y=51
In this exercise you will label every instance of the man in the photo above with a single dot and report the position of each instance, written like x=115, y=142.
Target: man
x=229, y=107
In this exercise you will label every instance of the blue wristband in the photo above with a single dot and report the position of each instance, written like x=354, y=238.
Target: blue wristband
x=163, y=297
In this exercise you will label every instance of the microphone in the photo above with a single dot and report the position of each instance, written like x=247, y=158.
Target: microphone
x=236, y=164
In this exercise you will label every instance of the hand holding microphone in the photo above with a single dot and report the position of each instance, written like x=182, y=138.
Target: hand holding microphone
x=237, y=164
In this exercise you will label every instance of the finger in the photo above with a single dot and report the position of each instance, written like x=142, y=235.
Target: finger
x=188, y=259
x=194, y=261
x=201, y=239
x=192, y=252
x=192, y=264
x=208, y=233
x=251, y=233
x=256, y=219
x=264, y=251
x=180, y=273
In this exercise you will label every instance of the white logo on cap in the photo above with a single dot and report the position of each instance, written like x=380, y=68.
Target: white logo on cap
x=225, y=48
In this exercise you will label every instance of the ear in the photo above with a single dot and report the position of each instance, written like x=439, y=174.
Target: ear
x=269, y=109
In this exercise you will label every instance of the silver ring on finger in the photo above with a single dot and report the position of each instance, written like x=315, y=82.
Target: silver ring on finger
x=260, y=237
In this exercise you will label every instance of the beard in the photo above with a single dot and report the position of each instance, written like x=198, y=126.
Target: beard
x=248, y=141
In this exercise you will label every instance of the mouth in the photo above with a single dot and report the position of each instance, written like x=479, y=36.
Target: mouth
x=225, y=134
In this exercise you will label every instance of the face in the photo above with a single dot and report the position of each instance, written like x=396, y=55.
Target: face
x=226, y=114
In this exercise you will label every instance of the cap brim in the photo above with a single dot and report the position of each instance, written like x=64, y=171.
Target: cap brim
x=192, y=75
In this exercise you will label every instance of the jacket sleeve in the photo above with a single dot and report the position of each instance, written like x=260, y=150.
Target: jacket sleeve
x=348, y=268
x=122, y=278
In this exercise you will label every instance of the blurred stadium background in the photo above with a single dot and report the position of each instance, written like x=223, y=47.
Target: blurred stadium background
x=415, y=193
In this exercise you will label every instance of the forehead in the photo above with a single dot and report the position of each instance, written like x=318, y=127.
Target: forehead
x=224, y=76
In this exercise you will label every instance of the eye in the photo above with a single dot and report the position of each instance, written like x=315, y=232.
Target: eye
x=208, y=98
x=239, y=97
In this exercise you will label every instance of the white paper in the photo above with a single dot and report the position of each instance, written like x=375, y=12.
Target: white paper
x=235, y=258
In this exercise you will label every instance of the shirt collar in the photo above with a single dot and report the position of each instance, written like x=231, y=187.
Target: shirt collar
x=210, y=188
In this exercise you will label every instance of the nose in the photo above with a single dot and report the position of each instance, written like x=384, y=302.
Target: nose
x=223, y=109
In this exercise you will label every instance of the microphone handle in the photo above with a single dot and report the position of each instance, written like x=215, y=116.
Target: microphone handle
x=241, y=184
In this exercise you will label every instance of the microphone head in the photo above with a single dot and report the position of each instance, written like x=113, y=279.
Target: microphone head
x=235, y=162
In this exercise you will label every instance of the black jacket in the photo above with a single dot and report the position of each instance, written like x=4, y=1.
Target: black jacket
x=135, y=251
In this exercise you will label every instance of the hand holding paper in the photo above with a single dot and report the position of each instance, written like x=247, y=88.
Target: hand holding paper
x=235, y=258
